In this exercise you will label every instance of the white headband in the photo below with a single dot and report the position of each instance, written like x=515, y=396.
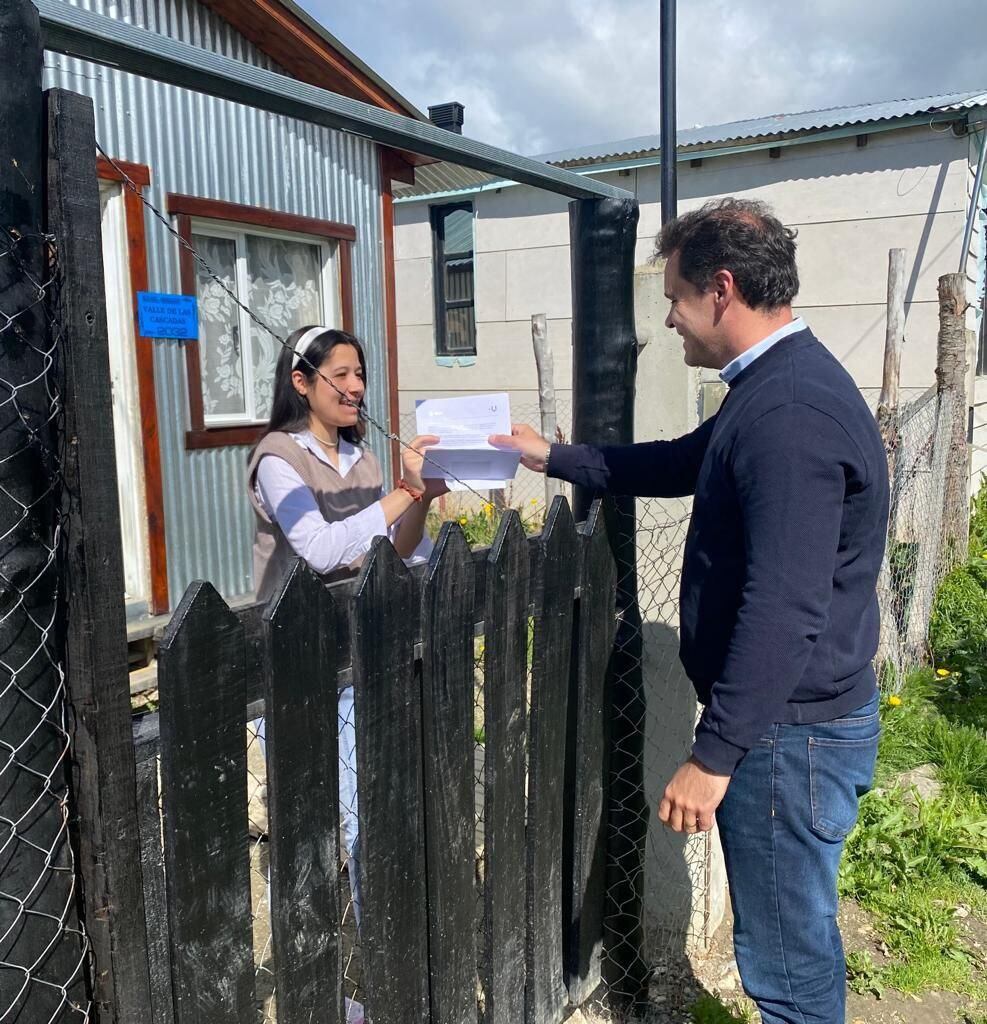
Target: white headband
x=305, y=342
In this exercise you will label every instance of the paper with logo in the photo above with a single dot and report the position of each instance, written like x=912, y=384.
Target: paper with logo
x=463, y=455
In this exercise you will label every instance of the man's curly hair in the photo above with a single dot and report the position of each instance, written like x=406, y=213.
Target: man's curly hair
x=739, y=235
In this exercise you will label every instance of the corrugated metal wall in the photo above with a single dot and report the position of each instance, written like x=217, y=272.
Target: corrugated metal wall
x=200, y=146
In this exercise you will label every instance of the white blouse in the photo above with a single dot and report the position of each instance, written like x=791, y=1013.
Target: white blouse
x=324, y=546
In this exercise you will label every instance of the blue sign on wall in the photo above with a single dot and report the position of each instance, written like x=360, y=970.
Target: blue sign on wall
x=167, y=316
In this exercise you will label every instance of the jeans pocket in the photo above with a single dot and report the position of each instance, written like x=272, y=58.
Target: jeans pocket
x=840, y=772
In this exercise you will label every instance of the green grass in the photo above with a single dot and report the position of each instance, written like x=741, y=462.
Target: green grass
x=707, y=1009
x=912, y=863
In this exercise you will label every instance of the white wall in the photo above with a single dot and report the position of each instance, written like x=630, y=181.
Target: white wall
x=905, y=188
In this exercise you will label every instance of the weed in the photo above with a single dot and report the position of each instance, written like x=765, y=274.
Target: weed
x=707, y=1009
x=863, y=975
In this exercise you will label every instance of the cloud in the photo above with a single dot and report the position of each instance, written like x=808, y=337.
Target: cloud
x=543, y=75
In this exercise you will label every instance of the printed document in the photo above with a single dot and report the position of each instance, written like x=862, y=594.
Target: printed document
x=463, y=456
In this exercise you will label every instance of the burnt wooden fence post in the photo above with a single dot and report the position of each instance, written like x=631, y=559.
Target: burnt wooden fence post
x=97, y=674
x=584, y=847
x=604, y=354
x=202, y=684
x=557, y=564
x=447, y=718
x=387, y=706
x=41, y=952
x=303, y=785
x=505, y=617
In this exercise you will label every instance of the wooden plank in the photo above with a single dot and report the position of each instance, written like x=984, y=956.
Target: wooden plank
x=506, y=624
x=219, y=209
x=545, y=992
x=303, y=790
x=584, y=841
x=447, y=706
x=203, y=785
x=155, y=901
x=394, y=930
x=103, y=778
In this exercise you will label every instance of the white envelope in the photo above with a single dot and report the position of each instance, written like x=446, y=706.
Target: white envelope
x=463, y=457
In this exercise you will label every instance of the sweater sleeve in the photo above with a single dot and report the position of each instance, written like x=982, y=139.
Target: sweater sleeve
x=653, y=469
x=790, y=473
x=324, y=546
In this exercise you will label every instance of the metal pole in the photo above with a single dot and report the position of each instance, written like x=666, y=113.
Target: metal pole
x=974, y=204
x=669, y=170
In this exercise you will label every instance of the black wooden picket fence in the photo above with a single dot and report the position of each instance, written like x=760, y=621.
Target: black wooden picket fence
x=405, y=640
x=161, y=882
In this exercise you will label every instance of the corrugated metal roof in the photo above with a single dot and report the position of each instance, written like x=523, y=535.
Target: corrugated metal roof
x=444, y=177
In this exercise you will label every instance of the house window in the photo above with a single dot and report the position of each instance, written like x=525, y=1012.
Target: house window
x=288, y=280
x=289, y=269
x=455, y=322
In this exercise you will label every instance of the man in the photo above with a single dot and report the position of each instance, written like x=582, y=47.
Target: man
x=779, y=614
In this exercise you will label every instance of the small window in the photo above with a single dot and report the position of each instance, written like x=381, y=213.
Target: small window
x=287, y=280
x=455, y=322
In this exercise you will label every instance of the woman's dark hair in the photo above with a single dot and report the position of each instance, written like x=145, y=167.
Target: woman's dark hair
x=289, y=409
x=739, y=235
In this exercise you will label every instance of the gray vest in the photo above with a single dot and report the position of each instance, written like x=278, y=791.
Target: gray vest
x=337, y=497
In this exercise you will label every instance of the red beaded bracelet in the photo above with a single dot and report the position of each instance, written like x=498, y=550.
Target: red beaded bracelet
x=415, y=494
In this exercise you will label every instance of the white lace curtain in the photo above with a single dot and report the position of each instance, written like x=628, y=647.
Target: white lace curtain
x=282, y=282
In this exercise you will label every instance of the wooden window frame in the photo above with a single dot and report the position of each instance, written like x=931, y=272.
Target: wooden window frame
x=133, y=208
x=185, y=209
x=439, y=256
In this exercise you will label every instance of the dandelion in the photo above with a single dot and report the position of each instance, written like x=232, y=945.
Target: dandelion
x=488, y=508
x=942, y=673
x=534, y=501
x=462, y=520
x=895, y=701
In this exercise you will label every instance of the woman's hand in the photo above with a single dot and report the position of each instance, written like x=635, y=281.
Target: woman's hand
x=435, y=487
x=412, y=460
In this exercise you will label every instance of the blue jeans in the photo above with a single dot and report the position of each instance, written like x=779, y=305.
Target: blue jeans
x=783, y=821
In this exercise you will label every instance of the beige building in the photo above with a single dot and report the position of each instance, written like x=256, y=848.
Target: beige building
x=855, y=182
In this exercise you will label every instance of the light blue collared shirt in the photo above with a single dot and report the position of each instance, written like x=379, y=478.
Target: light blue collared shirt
x=733, y=368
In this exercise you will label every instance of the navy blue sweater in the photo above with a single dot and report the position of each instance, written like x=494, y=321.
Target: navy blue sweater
x=779, y=616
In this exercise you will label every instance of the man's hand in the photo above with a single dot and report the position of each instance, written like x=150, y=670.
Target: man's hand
x=691, y=798
x=526, y=440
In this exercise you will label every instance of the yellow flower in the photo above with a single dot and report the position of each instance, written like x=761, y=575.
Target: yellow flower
x=534, y=501
x=894, y=700
x=942, y=673
x=488, y=508
x=462, y=520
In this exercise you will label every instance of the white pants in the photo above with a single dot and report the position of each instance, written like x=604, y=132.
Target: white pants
x=348, y=805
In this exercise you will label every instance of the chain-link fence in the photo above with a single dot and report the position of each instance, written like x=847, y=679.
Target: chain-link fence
x=43, y=949
x=919, y=554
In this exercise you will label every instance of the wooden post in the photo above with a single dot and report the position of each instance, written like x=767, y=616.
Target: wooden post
x=894, y=339
x=557, y=564
x=888, y=424
x=103, y=774
x=545, y=365
x=951, y=367
x=41, y=961
x=604, y=366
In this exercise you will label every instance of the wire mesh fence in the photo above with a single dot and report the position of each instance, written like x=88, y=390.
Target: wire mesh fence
x=43, y=948
x=919, y=552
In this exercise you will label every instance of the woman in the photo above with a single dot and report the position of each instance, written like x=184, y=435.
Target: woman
x=317, y=493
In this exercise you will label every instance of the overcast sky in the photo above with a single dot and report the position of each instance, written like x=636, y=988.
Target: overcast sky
x=537, y=76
